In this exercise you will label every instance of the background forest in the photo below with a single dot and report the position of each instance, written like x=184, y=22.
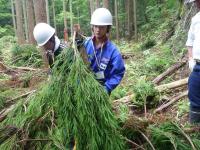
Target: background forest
x=151, y=102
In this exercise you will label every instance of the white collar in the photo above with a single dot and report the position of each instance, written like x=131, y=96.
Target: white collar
x=57, y=43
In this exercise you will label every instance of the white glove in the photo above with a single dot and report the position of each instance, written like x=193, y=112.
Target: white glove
x=192, y=63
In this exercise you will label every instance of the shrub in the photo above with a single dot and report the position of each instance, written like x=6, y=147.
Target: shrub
x=26, y=55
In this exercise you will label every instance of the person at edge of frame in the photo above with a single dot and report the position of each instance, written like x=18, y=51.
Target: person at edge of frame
x=193, y=46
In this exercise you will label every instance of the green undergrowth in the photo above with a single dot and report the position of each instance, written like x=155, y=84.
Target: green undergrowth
x=71, y=107
x=26, y=55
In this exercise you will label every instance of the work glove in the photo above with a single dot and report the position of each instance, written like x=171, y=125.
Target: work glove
x=79, y=42
x=192, y=63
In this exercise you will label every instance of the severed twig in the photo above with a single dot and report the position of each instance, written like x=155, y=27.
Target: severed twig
x=147, y=139
x=21, y=141
x=22, y=96
x=133, y=143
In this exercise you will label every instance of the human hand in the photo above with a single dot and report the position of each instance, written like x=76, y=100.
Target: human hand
x=192, y=63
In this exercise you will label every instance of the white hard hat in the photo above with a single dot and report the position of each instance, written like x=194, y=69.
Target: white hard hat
x=101, y=16
x=42, y=33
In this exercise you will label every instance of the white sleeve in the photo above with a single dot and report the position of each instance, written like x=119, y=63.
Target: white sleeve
x=190, y=38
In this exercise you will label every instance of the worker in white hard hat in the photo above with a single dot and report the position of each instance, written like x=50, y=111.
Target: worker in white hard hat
x=104, y=57
x=45, y=37
x=193, y=46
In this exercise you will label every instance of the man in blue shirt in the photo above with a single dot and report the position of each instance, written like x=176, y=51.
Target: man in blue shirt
x=104, y=57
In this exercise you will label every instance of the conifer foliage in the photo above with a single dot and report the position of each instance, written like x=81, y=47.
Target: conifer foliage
x=71, y=107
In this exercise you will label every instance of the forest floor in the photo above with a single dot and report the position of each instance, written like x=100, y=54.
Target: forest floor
x=137, y=98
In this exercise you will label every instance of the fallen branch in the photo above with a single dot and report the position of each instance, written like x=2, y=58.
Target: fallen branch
x=125, y=99
x=26, y=68
x=172, y=85
x=134, y=144
x=176, y=98
x=4, y=112
x=169, y=71
x=22, y=96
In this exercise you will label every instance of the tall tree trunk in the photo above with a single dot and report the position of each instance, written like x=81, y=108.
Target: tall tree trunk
x=91, y=6
x=40, y=11
x=19, y=17
x=135, y=18
x=13, y=17
x=41, y=16
x=105, y=3
x=116, y=20
x=71, y=17
x=47, y=11
x=25, y=19
x=31, y=21
x=97, y=4
x=65, y=21
x=128, y=19
x=54, y=15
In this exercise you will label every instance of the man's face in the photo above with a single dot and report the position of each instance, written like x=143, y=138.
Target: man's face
x=99, y=31
x=49, y=45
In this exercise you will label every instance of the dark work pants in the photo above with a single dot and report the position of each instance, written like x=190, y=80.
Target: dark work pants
x=194, y=95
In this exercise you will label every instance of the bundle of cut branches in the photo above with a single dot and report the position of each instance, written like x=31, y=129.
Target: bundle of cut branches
x=72, y=107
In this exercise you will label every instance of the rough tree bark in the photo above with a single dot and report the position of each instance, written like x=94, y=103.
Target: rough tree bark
x=31, y=21
x=40, y=11
x=105, y=4
x=13, y=17
x=19, y=17
x=116, y=20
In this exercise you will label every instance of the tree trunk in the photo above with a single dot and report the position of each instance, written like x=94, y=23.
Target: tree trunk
x=105, y=3
x=71, y=18
x=116, y=20
x=54, y=14
x=97, y=4
x=129, y=18
x=47, y=11
x=13, y=17
x=19, y=17
x=40, y=11
x=41, y=16
x=25, y=19
x=135, y=19
x=65, y=21
x=31, y=21
x=91, y=6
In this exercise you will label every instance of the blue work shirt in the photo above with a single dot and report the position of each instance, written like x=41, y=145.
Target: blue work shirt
x=106, y=60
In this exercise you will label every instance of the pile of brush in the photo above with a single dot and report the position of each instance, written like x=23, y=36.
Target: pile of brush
x=72, y=107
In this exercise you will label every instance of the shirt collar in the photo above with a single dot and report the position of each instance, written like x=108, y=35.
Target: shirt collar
x=57, y=43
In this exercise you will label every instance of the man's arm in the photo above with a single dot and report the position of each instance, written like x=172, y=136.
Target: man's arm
x=189, y=52
x=117, y=73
